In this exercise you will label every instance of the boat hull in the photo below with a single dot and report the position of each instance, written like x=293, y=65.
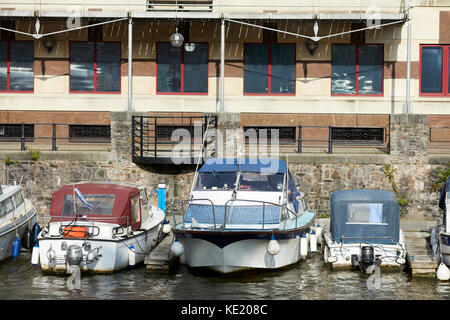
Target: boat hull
x=238, y=251
x=343, y=255
x=8, y=232
x=114, y=254
x=444, y=248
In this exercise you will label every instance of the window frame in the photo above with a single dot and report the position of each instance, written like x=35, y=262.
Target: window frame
x=8, y=67
x=182, y=72
x=269, y=74
x=95, y=69
x=445, y=71
x=356, y=72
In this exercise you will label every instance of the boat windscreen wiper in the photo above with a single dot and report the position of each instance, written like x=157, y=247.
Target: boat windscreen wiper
x=271, y=184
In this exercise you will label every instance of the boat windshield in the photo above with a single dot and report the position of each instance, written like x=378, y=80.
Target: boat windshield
x=102, y=204
x=255, y=181
x=216, y=181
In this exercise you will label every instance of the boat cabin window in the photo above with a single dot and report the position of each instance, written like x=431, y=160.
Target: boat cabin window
x=135, y=210
x=18, y=198
x=363, y=213
x=144, y=196
x=216, y=181
x=9, y=206
x=102, y=204
x=2, y=209
x=255, y=181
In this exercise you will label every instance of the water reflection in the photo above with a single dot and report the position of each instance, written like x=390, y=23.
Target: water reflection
x=310, y=279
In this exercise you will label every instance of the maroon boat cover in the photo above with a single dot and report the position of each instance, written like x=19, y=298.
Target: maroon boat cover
x=119, y=212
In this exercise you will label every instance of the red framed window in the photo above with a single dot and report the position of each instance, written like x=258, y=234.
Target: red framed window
x=269, y=69
x=180, y=71
x=357, y=69
x=95, y=67
x=16, y=66
x=434, y=70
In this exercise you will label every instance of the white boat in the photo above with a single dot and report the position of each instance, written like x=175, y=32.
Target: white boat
x=364, y=231
x=99, y=227
x=440, y=235
x=17, y=219
x=243, y=214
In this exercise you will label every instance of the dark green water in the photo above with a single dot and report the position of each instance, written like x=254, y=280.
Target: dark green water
x=309, y=279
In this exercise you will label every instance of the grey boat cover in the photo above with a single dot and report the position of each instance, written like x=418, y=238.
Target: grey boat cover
x=366, y=216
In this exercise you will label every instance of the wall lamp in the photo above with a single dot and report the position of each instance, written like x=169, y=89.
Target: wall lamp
x=176, y=39
x=311, y=46
x=49, y=44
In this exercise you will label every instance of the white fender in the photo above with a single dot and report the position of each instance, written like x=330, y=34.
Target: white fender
x=131, y=257
x=35, y=255
x=442, y=273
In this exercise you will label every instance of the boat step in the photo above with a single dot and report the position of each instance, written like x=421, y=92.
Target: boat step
x=160, y=258
x=417, y=234
x=425, y=272
x=421, y=262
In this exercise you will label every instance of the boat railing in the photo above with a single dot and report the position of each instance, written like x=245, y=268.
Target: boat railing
x=118, y=220
x=200, y=199
x=284, y=210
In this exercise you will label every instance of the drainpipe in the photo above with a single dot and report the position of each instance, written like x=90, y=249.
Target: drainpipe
x=130, y=65
x=222, y=67
x=408, y=108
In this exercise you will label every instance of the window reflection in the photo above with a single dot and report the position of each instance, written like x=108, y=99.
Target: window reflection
x=431, y=77
x=21, y=66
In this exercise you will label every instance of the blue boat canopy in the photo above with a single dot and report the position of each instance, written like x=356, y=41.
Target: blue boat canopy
x=445, y=189
x=260, y=165
x=366, y=216
x=266, y=165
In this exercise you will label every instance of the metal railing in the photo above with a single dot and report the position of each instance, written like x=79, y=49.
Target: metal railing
x=333, y=140
x=283, y=209
x=180, y=5
x=51, y=136
x=153, y=138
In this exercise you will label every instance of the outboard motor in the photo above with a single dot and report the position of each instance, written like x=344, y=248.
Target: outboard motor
x=368, y=258
x=74, y=255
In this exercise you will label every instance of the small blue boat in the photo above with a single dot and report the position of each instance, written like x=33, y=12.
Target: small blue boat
x=364, y=231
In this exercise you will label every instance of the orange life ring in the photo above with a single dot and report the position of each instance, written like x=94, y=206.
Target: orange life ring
x=75, y=232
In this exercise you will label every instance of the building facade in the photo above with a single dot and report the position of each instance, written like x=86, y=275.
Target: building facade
x=278, y=64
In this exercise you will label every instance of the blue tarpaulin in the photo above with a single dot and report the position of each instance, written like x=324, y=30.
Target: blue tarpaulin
x=368, y=216
x=444, y=190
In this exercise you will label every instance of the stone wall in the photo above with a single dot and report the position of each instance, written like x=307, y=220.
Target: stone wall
x=318, y=175
x=319, y=181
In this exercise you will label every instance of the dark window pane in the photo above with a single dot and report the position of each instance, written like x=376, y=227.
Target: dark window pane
x=89, y=133
x=108, y=67
x=352, y=134
x=82, y=66
x=169, y=68
x=13, y=132
x=431, y=77
x=3, y=66
x=282, y=70
x=343, y=60
x=256, y=69
x=21, y=66
x=370, y=80
x=196, y=69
